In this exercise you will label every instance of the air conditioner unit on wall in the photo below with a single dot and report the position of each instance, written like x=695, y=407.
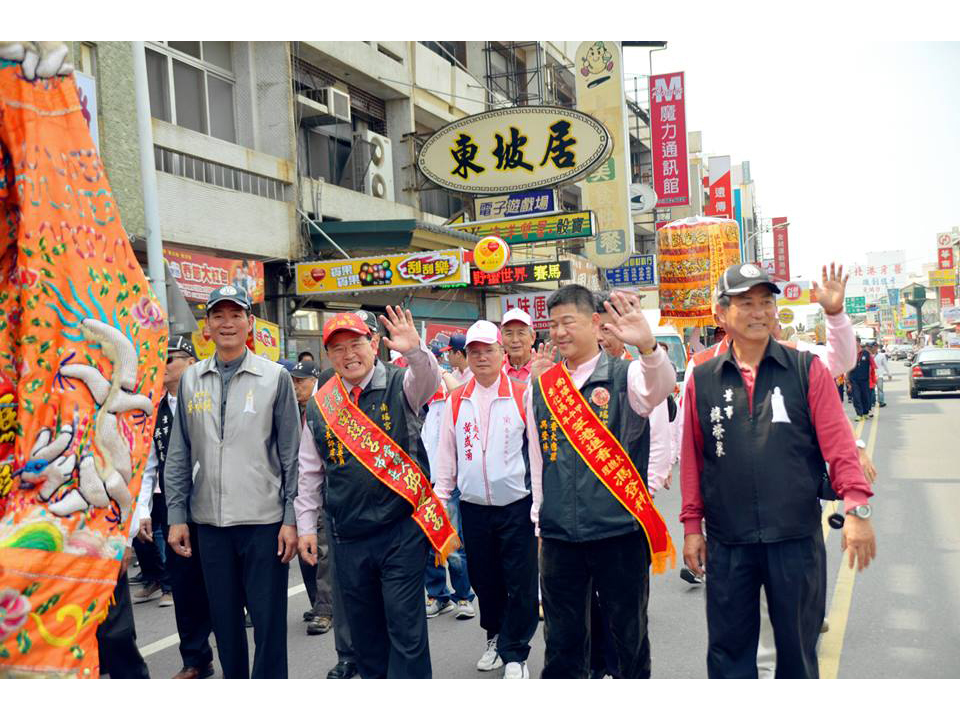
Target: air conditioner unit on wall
x=378, y=180
x=338, y=104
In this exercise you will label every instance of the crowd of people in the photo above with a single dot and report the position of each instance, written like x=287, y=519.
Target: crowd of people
x=526, y=474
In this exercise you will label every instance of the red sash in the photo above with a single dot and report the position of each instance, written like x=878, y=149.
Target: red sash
x=606, y=458
x=388, y=463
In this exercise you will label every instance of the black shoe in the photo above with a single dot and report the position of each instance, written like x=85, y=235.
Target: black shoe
x=883, y=404
x=343, y=670
x=137, y=579
x=309, y=615
x=686, y=574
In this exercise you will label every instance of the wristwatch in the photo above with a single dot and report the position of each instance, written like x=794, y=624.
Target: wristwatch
x=861, y=511
x=651, y=351
x=861, y=444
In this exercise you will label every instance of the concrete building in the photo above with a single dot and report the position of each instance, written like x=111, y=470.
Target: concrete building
x=268, y=153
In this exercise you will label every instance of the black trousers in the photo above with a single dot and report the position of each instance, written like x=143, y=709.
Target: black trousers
x=316, y=578
x=381, y=580
x=619, y=569
x=342, y=640
x=117, y=638
x=603, y=654
x=151, y=559
x=240, y=564
x=190, y=604
x=501, y=549
x=860, y=391
x=793, y=573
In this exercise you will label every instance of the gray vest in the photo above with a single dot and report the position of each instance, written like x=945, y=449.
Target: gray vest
x=237, y=477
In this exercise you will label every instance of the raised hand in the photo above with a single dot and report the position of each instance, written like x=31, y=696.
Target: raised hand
x=627, y=321
x=830, y=295
x=403, y=333
x=543, y=359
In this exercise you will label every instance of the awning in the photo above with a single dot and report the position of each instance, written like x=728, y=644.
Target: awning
x=388, y=234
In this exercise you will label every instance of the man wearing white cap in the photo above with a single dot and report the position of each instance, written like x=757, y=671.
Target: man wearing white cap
x=518, y=338
x=483, y=452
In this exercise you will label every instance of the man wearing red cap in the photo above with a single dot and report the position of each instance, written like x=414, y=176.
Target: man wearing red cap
x=360, y=459
x=516, y=327
x=483, y=453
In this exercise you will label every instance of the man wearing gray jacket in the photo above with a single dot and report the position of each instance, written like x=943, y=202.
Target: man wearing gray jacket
x=232, y=470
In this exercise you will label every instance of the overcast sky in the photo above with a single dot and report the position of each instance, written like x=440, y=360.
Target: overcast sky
x=856, y=143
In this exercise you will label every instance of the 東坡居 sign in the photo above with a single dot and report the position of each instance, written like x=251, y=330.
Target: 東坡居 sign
x=514, y=149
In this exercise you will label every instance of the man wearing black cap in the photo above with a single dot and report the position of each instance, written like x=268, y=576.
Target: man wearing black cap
x=761, y=420
x=185, y=574
x=232, y=469
x=457, y=357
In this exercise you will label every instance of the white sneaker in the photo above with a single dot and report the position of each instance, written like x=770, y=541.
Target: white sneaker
x=465, y=610
x=434, y=607
x=516, y=671
x=490, y=660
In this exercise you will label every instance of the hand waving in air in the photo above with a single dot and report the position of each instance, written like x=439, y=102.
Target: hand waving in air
x=400, y=326
x=830, y=294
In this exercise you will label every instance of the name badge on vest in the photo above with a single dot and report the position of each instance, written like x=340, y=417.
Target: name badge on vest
x=248, y=408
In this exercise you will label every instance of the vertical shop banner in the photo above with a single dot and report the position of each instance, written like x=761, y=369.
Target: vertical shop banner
x=781, y=250
x=606, y=191
x=721, y=193
x=668, y=140
x=945, y=258
x=738, y=216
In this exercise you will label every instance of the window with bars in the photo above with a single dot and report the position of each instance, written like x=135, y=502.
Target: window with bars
x=212, y=173
x=192, y=85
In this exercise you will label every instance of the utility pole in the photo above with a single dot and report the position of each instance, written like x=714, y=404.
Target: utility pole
x=148, y=175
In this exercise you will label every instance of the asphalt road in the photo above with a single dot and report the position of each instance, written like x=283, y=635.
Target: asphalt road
x=898, y=618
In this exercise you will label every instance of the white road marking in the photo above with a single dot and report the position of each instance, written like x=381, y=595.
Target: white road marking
x=171, y=640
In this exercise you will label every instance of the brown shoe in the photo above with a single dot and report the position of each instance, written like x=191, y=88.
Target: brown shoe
x=194, y=673
x=320, y=625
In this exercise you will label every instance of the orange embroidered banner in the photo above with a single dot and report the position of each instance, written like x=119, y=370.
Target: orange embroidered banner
x=388, y=463
x=607, y=459
x=82, y=346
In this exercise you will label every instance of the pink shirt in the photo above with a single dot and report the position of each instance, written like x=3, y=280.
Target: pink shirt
x=649, y=380
x=462, y=377
x=419, y=384
x=833, y=434
x=445, y=466
x=521, y=374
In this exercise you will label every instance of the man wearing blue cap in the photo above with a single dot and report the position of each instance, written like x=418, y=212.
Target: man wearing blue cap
x=232, y=469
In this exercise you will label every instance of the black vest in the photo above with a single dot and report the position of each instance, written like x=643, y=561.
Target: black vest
x=576, y=506
x=763, y=487
x=161, y=441
x=356, y=502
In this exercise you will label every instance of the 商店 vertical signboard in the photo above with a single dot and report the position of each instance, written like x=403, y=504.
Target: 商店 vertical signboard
x=781, y=250
x=606, y=191
x=668, y=140
x=721, y=202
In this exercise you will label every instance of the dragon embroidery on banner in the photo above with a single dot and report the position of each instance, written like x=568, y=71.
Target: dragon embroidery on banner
x=82, y=344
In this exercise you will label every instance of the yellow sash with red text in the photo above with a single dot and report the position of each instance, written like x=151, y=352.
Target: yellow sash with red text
x=606, y=458
x=388, y=463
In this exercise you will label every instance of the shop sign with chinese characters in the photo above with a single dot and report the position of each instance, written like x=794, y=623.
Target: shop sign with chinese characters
x=534, y=304
x=794, y=293
x=606, y=191
x=635, y=272
x=882, y=271
x=668, y=138
x=781, y=249
x=945, y=258
x=383, y=272
x=527, y=273
x=514, y=149
x=197, y=275
x=855, y=305
x=721, y=194
x=522, y=203
x=515, y=231
x=941, y=278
